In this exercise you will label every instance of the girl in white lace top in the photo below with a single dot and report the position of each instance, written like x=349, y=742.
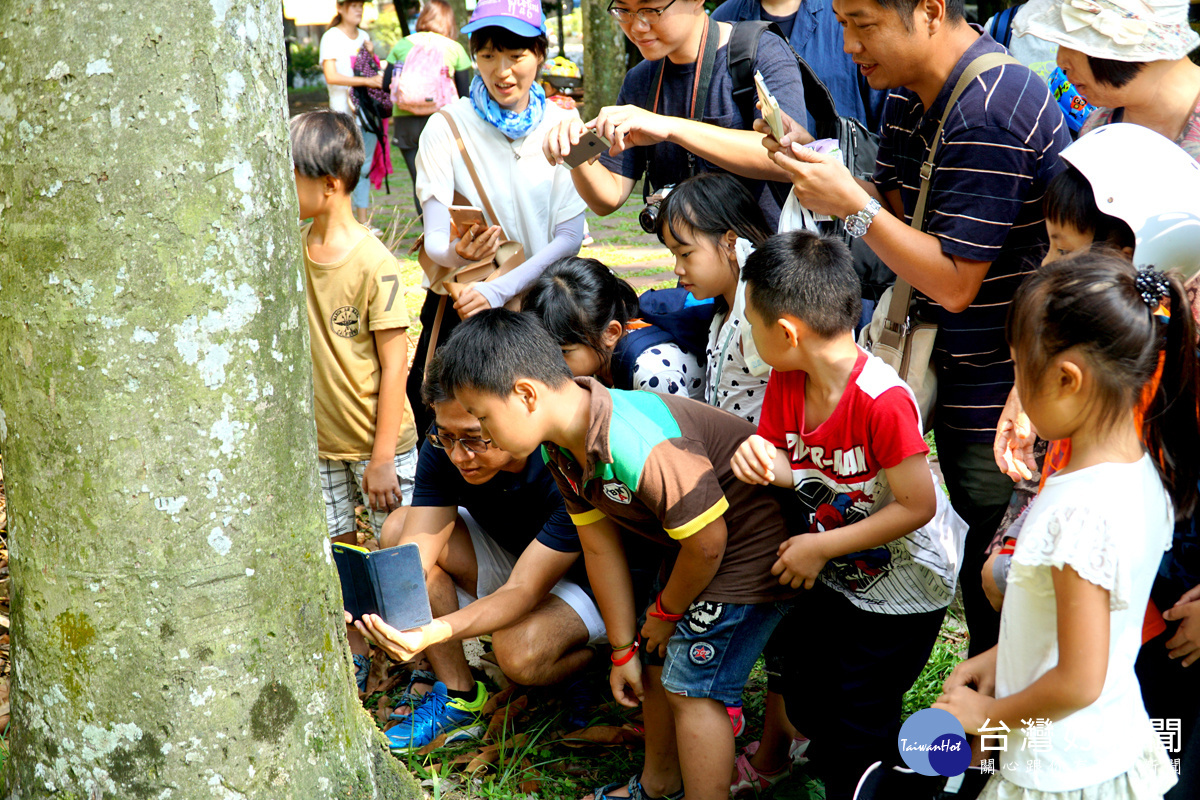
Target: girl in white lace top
x=1094, y=345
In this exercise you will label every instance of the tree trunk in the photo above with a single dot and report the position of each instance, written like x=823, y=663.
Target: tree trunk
x=176, y=618
x=461, y=16
x=603, y=58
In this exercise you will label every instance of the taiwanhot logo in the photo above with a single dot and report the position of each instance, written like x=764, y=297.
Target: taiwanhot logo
x=933, y=742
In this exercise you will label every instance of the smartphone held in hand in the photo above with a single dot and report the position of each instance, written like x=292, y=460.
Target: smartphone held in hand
x=770, y=108
x=590, y=145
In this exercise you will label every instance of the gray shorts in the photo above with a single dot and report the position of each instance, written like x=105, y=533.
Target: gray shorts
x=341, y=488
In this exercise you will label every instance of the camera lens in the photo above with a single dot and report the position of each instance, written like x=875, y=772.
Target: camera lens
x=648, y=219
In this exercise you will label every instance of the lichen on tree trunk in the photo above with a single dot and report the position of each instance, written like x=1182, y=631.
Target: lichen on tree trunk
x=177, y=624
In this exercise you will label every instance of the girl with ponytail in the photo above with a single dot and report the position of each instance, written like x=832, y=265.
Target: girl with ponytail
x=1105, y=357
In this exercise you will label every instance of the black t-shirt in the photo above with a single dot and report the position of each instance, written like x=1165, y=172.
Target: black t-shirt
x=785, y=23
x=514, y=508
x=669, y=163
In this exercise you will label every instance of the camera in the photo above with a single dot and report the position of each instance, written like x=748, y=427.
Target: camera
x=648, y=218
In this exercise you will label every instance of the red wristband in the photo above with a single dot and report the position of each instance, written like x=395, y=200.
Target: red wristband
x=660, y=613
x=625, y=659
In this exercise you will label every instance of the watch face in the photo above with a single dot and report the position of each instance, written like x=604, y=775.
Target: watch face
x=856, y=226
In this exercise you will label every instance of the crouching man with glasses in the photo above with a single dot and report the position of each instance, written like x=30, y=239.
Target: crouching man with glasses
x=501, y=556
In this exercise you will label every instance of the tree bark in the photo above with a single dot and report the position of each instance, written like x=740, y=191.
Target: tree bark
x=461, y=16
x=176, y=618
x=603, y=58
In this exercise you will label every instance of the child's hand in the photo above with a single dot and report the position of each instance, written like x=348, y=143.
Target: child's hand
x=401, y=646
x=970, y=707
x=626, y=682
x=381, y=485
x=470, y=302
x=801, y=560
x=754, y=461
x=655, y=635
x=1185, y=643
x=978, y=672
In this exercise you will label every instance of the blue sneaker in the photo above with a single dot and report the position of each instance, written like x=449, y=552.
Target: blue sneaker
x=439, y=713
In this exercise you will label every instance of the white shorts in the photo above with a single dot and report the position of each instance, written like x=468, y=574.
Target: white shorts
x=493, y=566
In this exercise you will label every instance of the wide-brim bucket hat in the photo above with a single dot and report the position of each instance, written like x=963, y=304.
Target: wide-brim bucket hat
x=1145, y=179
x=1119, y=30
x=522, y=17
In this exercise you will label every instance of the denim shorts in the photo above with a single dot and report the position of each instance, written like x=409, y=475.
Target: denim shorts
x=714, y=647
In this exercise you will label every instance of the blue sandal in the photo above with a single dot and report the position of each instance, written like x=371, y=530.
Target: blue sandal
x=636, y=792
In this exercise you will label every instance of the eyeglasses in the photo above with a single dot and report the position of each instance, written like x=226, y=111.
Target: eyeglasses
x=647, y=16
x=445, y=442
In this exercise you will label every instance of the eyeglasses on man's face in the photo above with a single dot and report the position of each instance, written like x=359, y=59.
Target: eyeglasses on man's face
x=443, y=441
x=647, y=16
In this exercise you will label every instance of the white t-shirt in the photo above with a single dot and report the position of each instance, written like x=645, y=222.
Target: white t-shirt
x=342, y=49
x=530, y=195
x=735, y=378
x=1111, y=523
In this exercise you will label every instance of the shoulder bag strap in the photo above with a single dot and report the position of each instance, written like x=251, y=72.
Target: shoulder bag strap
x=709, y=44
x=462, y=149
x=897, y=313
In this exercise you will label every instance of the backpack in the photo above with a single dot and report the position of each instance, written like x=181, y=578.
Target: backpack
x=1002, y=24
x=375, y=104
x=636, y=341
x=426, y=82
x=859, y=146
x=684, y=318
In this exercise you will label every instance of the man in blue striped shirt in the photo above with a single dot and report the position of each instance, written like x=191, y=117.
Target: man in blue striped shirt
x=984, y=227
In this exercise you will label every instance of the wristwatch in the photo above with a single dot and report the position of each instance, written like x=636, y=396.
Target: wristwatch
x=857, y=224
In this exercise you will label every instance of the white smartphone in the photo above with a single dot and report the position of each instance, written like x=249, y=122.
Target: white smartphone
x=770, y=108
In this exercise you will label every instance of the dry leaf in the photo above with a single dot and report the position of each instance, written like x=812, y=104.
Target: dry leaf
x=491, y=753
x=434, y=745
x=504, y=718
x=603, y=734
x=498, y=699
x=378, y=675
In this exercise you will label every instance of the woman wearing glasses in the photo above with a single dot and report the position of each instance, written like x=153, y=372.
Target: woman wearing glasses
x=493, y=527
x=673, y=119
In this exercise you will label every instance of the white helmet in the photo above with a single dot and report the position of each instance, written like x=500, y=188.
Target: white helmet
x=1152, y=184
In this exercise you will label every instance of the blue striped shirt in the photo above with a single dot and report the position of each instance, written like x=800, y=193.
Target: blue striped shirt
x=998, y=151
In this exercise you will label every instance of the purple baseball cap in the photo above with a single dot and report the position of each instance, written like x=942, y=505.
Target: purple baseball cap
x=522, y=17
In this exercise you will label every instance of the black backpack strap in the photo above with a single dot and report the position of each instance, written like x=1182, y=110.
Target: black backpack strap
x=741, y=55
